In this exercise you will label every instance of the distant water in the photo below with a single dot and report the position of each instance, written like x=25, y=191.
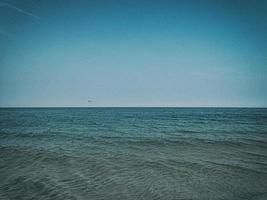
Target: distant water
x=133, y=153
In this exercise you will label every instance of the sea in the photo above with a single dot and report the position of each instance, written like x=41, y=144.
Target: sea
x=133, y=153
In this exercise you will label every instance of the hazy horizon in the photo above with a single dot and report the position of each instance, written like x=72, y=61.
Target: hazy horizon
x=129, y=106
x=133, y=53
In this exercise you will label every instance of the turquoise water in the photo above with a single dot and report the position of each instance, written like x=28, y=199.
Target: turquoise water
x=133, y=153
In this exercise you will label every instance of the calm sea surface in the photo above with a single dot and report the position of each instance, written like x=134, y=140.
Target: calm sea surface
x=133, y=153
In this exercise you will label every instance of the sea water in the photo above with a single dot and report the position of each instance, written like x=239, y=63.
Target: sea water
x=133, y=153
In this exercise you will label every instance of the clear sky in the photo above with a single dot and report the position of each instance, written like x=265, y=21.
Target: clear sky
x=133, y=53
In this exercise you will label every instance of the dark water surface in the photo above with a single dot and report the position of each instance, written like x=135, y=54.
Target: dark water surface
x=133, y=153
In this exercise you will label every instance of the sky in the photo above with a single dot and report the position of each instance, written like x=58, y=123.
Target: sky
x=133, y=53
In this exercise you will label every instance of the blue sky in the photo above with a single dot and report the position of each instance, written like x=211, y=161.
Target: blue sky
x=133, y=53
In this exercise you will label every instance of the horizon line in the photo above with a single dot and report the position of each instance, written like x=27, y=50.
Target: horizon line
x=3, y=107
